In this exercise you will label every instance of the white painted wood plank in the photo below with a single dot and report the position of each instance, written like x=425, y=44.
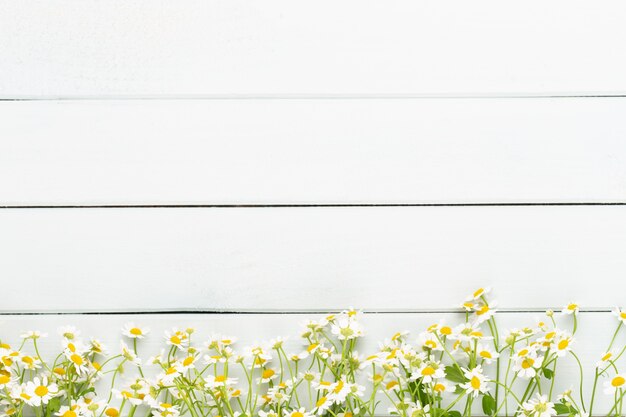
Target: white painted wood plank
x=311, y=258
x=312, y=151
x=593, y=336
x=164, y=47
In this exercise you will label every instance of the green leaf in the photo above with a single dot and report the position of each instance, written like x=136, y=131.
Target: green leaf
x=454, y=413
x=489, y=405
x=548, y=373
x=561, y=409
x=455, y=374
x=54, y=405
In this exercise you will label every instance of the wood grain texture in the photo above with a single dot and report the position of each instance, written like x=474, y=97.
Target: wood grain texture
x=281, y=47
x=594, y=334
x=313, y=151
x=311, y=258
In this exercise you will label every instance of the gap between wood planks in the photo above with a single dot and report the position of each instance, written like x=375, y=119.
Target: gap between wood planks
x=271, y=312
x=332, y=205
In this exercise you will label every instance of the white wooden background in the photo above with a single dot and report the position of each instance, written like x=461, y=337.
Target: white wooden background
x=296, y=158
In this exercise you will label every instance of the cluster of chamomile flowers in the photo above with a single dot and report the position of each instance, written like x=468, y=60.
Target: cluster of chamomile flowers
x=447, y=370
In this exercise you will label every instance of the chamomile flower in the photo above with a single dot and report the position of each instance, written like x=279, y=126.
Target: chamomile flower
x=69, y=332
x=429, y=341
x=478, y=294
x=605, y=360
x=133, y=331
x=40, y=391
x=484, y=312
x=571, y=308
x=267, y=375
x=218, y=381
x=441, y=386
x=129, y=354
x=33, y=334
x=176, y=338
x=346, y=329
x=301, y=412
x=70, y=411
x=428, y=372
x=486, y=354
x=30, y=362
x=477, y=382
x=563, y=344
x=527, y=366
x=620, y=314
x=539, y=407
x=616, y=382
x=78, y=362
x=322, y=405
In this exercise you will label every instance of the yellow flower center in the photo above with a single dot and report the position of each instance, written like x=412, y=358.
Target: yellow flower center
x=429, y=370
x=268, y=373
x=563, y=344
x=297, y=414
x=446, y=330
x=112, y=412
x=76, y=359
x=391, y=384
x=188, y=361
x=572, y=307
x=321, y=402
x=439, y=387
x=220, y=378
x=339, y=387
x=485, y=354
x=41, y=390
x=475, y=382
x=136, y=331
x=478, y=292
x=175, y=340
x=4, y=379
x=618, y=381
x=527, y=363
x=69, y=413
x=607, y=356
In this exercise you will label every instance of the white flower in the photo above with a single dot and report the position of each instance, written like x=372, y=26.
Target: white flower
x=428, y=372
x=134, y=332
x=484, y=312
x=40, y=391
x=539, y=407
x=299, y=413
x=217, y=381
x=79, y=363
x=620, y=314
x=616, y=382
x=441, y=386
x=322, y=405
x=73, y=411
x=176, y=338
x=526, y=366
x=129, y=354
x=69, y=332
x=571, y=308
x=476, y=295
x=429, y=341
x=267, y=375
x=605, y=360
x=563, y=344
x=486, y=354
x=477, y=383
x=33, y=334
x=346, y=329
x=30, y=362
x=131, y=397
